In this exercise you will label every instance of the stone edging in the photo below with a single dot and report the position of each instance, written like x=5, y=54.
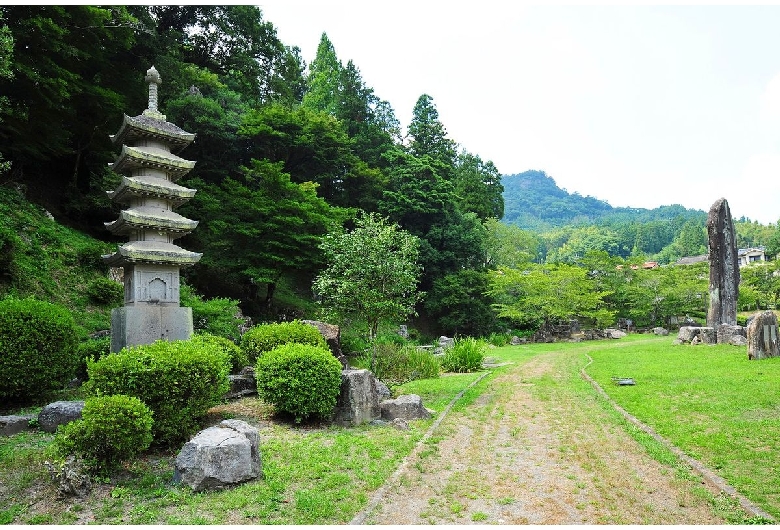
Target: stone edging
x=706, y=473
x=360, y=517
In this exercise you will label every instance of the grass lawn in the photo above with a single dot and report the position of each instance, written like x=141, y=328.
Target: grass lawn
x=710, y=401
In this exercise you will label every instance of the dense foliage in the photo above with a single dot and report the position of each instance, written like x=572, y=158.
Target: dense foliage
x=466, y=355
x=179, y=381
x=37, y=348
x=265, y=337
x=112, y=430
x=395, y=364
x=299, y=379
x=287, y=156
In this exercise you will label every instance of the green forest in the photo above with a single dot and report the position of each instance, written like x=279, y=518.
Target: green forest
x=290, y=153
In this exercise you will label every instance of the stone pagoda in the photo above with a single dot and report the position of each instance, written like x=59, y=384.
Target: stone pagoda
x=148, y=193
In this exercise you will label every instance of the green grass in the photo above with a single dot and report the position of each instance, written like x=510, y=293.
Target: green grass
x=710, y=401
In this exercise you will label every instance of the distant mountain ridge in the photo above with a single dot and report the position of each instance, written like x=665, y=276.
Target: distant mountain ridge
x=533, y=201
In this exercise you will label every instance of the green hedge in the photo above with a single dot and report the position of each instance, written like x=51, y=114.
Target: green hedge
x=265, y=337
x=238, y=358
x=299, y=379
x=112, y=429
x=178, y=380
x=37, y=348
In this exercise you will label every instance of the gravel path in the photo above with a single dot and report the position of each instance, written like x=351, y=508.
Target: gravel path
x=527, y=453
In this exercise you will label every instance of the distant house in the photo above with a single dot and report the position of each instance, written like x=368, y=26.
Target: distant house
x=746, y=256
x=645, y=265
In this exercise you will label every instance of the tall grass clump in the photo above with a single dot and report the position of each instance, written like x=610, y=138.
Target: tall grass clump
x=466, y=355
x=396, y=364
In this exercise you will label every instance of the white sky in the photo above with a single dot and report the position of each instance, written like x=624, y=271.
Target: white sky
x=639, y=106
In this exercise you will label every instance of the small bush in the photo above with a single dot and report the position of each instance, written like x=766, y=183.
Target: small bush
x=112, y=429
x=93, y=350
x=498, y=339
x=238, y=358
x=216, y=316
x=178, y=380
x=299, y=379
x=465, y=356
x=37, y=348
x=265, y=337
x=104, y=291
x=396, y=365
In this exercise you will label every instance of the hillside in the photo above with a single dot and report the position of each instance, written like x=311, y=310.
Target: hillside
x=533, y=201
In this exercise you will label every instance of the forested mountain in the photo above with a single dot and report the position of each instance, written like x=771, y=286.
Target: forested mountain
x=532, y=200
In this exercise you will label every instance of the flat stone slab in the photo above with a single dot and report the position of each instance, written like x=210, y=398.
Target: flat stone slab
x=59, y=413
x=10, y=425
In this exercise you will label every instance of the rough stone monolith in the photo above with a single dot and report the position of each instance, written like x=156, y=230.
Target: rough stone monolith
x=724, y=266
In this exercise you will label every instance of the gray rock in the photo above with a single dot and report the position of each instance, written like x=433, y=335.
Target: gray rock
x=614, y=333
x=59, y=413
x=407, y=407
x=70, y=478
x=219, y=457
x=10, y=425
x=243, y=384
x=332, y=335
x=399, y=424
x=732, y=334
x=687, y=333
x=359, y=399
x=663, y=332
x=762, y=336
x=708, y=335
x=516, y=341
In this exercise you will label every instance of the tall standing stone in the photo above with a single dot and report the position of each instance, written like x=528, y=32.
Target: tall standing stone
x=150, y=168
x=724, y=266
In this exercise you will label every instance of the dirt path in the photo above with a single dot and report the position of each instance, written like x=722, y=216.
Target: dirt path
x=529, y=451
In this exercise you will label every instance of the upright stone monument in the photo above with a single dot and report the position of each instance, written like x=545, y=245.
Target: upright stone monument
x=724, y=266
x=150, y=168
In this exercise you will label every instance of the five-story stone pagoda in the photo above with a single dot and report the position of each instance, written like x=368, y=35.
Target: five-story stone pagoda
x=150, y=168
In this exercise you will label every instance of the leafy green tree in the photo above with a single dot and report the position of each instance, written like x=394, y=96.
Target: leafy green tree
x=428, y=135
x=538, y=296
x=508, y=245
x=371, y=273
x=761, y=282
x=273, y=228
x=478, y=187
x=323, y=81
x=459, y=304
x=657, y=295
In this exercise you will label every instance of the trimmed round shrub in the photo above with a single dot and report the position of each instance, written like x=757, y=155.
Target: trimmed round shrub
x=105, y=291
x=465, y=356
x=300, y=379
x=112, y=429
x=238, y=358
x=37, y=348
x=265, y=337
x=178, y=380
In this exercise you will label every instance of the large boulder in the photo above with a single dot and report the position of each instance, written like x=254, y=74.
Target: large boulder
x=724, y=265
x=332, y=335
x=663, y=332
x=762, y=336
x=219, y=457
x=708, y=335
x=612, y=333
x=732, y=334
x=687, y=333
x=359, y=399
x=59, y=413
x=407, y=407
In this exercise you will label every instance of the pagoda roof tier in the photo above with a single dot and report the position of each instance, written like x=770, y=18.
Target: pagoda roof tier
x=155, y=252
x=131, y=158
x=144, y=217
x=149, y=186
x=145, y=126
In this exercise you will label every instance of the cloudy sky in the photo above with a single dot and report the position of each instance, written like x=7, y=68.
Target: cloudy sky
x=640, y=106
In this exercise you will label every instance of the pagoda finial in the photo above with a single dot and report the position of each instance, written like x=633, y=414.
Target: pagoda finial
x=154, y=79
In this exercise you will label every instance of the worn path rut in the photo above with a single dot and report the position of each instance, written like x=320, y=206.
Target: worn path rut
x=533, y=449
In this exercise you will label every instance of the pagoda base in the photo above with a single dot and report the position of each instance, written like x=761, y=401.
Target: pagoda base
x=145, y=324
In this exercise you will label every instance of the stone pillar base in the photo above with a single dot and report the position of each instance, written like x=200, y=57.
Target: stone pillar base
x=135, y=325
